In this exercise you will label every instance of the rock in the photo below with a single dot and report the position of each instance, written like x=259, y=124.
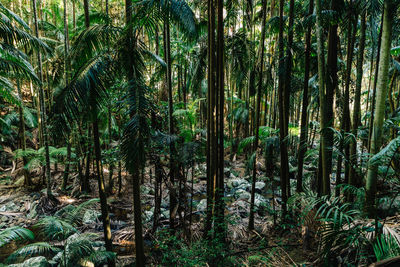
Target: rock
x=164, y=213
x=90, y=216
x=242, y=194
x=20, y=181
x=32, y=213
x=243, y=208
x=33, y=262
x=260, y=185
x=148, y=215
x=145, y=190
x=4, y=218
x=202, y=206
x=10, y=206
x=227, y=171
x=259, y=201
x=236, y=182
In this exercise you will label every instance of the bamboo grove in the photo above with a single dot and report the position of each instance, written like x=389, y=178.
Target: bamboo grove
x=202, y=116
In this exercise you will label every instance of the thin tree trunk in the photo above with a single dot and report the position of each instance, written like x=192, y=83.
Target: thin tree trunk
x=137, y=207
x=210, y=118
x=86, y=8
x=345, y=121
x=258, y=113
x=43, y=114
x=304, y=111
x=375, y=84
x=22, y=138
x=219, y=199
x=284, y=168
x=379, y=116
x=353, y=178
x=67, y=165
x=172, y=174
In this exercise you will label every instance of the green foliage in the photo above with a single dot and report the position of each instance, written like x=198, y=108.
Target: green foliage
x=386, y=246
x=385, y=155
x=175, y=252
x=78, y=247
x=31, y=250
x=36, y=158
x=15, y=234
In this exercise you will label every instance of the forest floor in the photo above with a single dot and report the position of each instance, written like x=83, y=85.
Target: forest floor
x=282, y=244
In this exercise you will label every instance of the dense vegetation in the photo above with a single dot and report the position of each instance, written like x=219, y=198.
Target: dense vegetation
x=199, y=133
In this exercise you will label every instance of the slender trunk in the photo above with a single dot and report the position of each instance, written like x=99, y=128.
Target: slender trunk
x=353, y=178
x=210, y=118
x=379, y=116
x=375, y=84
x=134, y=170
x=67, y=165
x=22, y=138
x=86, y=8
x=326, y=91
x=219, y=200
x=86, y=180
x=173, y=200
x=43, y=114
x=304, y=111
x=102, y=193
x=258, y=113
x=345, y=121
x=287, y=86
x=74, y=15
x=284, y=168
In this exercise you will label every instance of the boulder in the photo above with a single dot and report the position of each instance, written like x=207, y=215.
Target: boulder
x=236, y=182
x=242, y=194
x=91, y=216
x=260, y=185
x=10, y=206
x=202, y=206
x=148, y=215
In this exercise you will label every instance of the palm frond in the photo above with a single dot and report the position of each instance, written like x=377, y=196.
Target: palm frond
x=15, y=233
x=53, y=228
x=30, y=250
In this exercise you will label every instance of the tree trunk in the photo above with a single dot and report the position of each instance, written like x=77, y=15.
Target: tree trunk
x=67, y=165
x=284, y=169
x=22, y=138
x=258, y=113
x=86, y=8
x=134, y=170
x=379, y=116
x=345, y=121
x=43, y=114
x=304, y=111
x=172, y=195
x=211, y=155
x=219, y=198
x=353, y=177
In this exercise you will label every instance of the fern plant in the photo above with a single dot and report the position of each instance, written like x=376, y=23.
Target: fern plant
x=78, y=248
x=36, y=158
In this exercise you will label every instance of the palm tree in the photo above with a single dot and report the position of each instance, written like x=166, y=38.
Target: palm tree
x=258, y=113
x=353, y=176
x=43, y=114
x=379, y=115
x=283, y=110
x=304, y=111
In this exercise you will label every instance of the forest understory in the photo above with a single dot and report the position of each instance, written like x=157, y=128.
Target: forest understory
x=270, y=243
x=199, y=133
